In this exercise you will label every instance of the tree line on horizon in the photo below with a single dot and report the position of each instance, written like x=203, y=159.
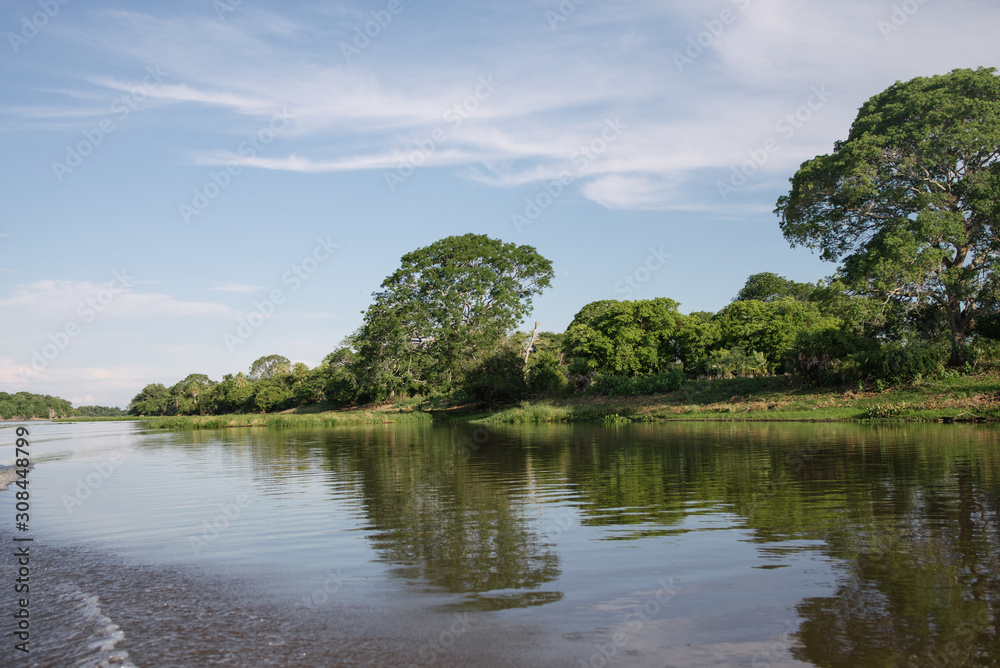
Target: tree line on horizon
x=907, y=205
x=28, y=406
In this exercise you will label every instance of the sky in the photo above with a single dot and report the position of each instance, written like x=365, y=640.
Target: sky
x=191, y=185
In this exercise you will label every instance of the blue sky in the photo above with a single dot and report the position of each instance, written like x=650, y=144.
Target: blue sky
x=191, y=185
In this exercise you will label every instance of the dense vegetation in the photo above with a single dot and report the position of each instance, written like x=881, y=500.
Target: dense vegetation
x=25, y=406
x=908, y=205
x=99, y=412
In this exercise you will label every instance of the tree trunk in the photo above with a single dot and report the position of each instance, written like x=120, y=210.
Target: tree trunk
x=958, y=351
x=527, y=349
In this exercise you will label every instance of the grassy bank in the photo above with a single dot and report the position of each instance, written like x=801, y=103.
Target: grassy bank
x=290, y=419
x=780, y=398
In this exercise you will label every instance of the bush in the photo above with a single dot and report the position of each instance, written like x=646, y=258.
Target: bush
x=625, y=386
x=735, y=362
x=896, y=363
x=545, y=374
x=884, y=412
x=498, y=379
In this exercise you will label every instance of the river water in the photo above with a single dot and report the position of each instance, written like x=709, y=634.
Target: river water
x=679, y=544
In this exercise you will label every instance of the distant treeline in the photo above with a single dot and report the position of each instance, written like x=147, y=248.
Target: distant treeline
x=25, y=405
x=99, y=411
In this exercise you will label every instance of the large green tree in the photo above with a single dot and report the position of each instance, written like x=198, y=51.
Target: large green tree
x=909, y=201
x=442, y=311
x=270, y=366
x=768, y=287
x=629, y=338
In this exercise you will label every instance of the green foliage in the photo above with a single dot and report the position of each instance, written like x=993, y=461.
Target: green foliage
x=884, y=412
x=498, y=379
x=770, y=328
x=154, y=399
x=629, y=338
x=271, y=395
x=444, y=308
x=25, y=405
x=100, y=411
x=910, y=200
x=624, y=386
x=545, y=373
x=769, y=287
x=737, y=363
x=269, y=366
x=341, y=385
x=234, y=394
x=896, y=363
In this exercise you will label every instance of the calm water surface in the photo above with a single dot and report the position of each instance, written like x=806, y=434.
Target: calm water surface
x=397, y=545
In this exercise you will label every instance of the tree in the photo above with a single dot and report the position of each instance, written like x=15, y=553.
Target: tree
x=233, y=394
x=152, y=400
x=629, y=338
x=188, y=396
x=769, y=328
x=269, y=366
x=910, y=200
x=769, y=287
x=439, y=314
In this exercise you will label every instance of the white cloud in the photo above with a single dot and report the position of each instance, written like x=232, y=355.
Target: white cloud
x=551, y=90
x=53, y=299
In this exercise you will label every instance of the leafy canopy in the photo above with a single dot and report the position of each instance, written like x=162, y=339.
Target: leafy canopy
x=909, y=202
x=438, y=314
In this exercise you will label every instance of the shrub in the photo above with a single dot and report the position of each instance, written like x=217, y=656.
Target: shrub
x=735, y=362
x=498, y=379
x=624, y=386
x=896, y=363
x=545, y=374
x=885, y=411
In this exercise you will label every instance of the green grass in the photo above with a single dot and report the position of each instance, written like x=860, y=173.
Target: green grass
x=776, y=398
x=286, y=420
x=116, y=418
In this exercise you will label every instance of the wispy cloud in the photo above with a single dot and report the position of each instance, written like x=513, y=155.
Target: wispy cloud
x=55, y=299
x=556, y=85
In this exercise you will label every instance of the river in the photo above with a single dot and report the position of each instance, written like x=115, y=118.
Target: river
x=664, y=545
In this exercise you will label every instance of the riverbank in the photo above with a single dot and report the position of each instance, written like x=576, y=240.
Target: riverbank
x=972, y=398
